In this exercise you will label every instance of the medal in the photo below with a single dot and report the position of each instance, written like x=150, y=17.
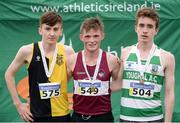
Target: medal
x=93, y=89
x=48, y=72
x=142, y=68
x=97, y=66
x=142, y=79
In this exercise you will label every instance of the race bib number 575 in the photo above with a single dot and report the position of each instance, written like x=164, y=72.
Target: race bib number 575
x=49, y=90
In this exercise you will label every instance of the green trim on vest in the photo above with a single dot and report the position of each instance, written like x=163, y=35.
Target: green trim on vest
x=148, y=112
x=132, y=57
x=135, y=75
x=155, y=60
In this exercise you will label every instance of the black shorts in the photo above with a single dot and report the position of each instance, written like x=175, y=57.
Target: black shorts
x=155, y=121
x=65, y=118
x=107, y=117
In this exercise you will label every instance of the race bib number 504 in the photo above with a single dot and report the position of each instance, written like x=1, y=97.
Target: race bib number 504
x=49, y=90
x=141, y=90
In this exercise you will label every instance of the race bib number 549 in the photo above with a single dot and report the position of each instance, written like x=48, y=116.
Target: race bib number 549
x=49, y=90
x=91, y=88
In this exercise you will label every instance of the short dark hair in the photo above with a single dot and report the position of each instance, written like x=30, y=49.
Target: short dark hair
x=92, y=23
x=51, y=18
x=148, y=12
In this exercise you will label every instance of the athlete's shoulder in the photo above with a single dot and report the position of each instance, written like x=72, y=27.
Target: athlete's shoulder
x=127, y=48
x=68, y=49
x=73, y=57
x=26, y=49
x=71, y=61
x=167, y=58
x=112, y=59
x=125, y=51
x=166, y=54
x=25, y=52
x=111, y=56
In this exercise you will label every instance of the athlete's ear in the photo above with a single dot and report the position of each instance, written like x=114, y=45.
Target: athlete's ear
x=103, y=34
x=135, y=28
x=157, y=30
x=81, y=37
x=40, y=30
x=61, y=32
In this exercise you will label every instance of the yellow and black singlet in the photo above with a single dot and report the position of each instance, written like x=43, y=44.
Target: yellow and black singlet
x=48, y=97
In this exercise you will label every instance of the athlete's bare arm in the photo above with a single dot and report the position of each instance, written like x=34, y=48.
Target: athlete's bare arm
x=125, y=52
x=69, y=50
x=168, y=62
x=71, y=61
x=69, y=53
x=114, y=67
x=117, y=85
x=22, y=57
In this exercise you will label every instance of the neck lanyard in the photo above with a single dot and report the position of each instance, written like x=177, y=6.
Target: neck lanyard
x=48, y=72
x=142, y=68
x=97, y=65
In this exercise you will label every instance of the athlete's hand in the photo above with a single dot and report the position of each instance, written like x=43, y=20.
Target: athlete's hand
x=120, y=62
x=24, y=112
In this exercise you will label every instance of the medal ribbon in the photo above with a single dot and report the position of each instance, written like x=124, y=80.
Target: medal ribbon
x=97, y=65
x=140, y=66
x=48, y=72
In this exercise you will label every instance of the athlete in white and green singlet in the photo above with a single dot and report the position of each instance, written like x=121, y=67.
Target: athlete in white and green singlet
x=145, y=67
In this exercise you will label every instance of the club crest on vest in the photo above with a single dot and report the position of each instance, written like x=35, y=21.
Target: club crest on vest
x=59, y=59
x=154, y=69
x=101, y=73
x=130, y=65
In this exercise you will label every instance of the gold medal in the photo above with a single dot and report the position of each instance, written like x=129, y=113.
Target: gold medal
x=93, y=89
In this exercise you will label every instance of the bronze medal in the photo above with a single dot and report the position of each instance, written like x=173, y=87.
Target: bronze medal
x=142, y=79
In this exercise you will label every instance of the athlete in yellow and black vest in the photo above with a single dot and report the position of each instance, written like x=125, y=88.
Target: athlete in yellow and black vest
x=47, y=71
x=48, y=97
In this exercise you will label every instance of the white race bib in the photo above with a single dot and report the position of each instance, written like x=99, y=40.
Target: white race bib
x=89, y=88
x=141, y=90
x=49, y=90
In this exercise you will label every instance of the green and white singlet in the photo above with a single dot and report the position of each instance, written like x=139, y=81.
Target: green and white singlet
x=142, y=101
